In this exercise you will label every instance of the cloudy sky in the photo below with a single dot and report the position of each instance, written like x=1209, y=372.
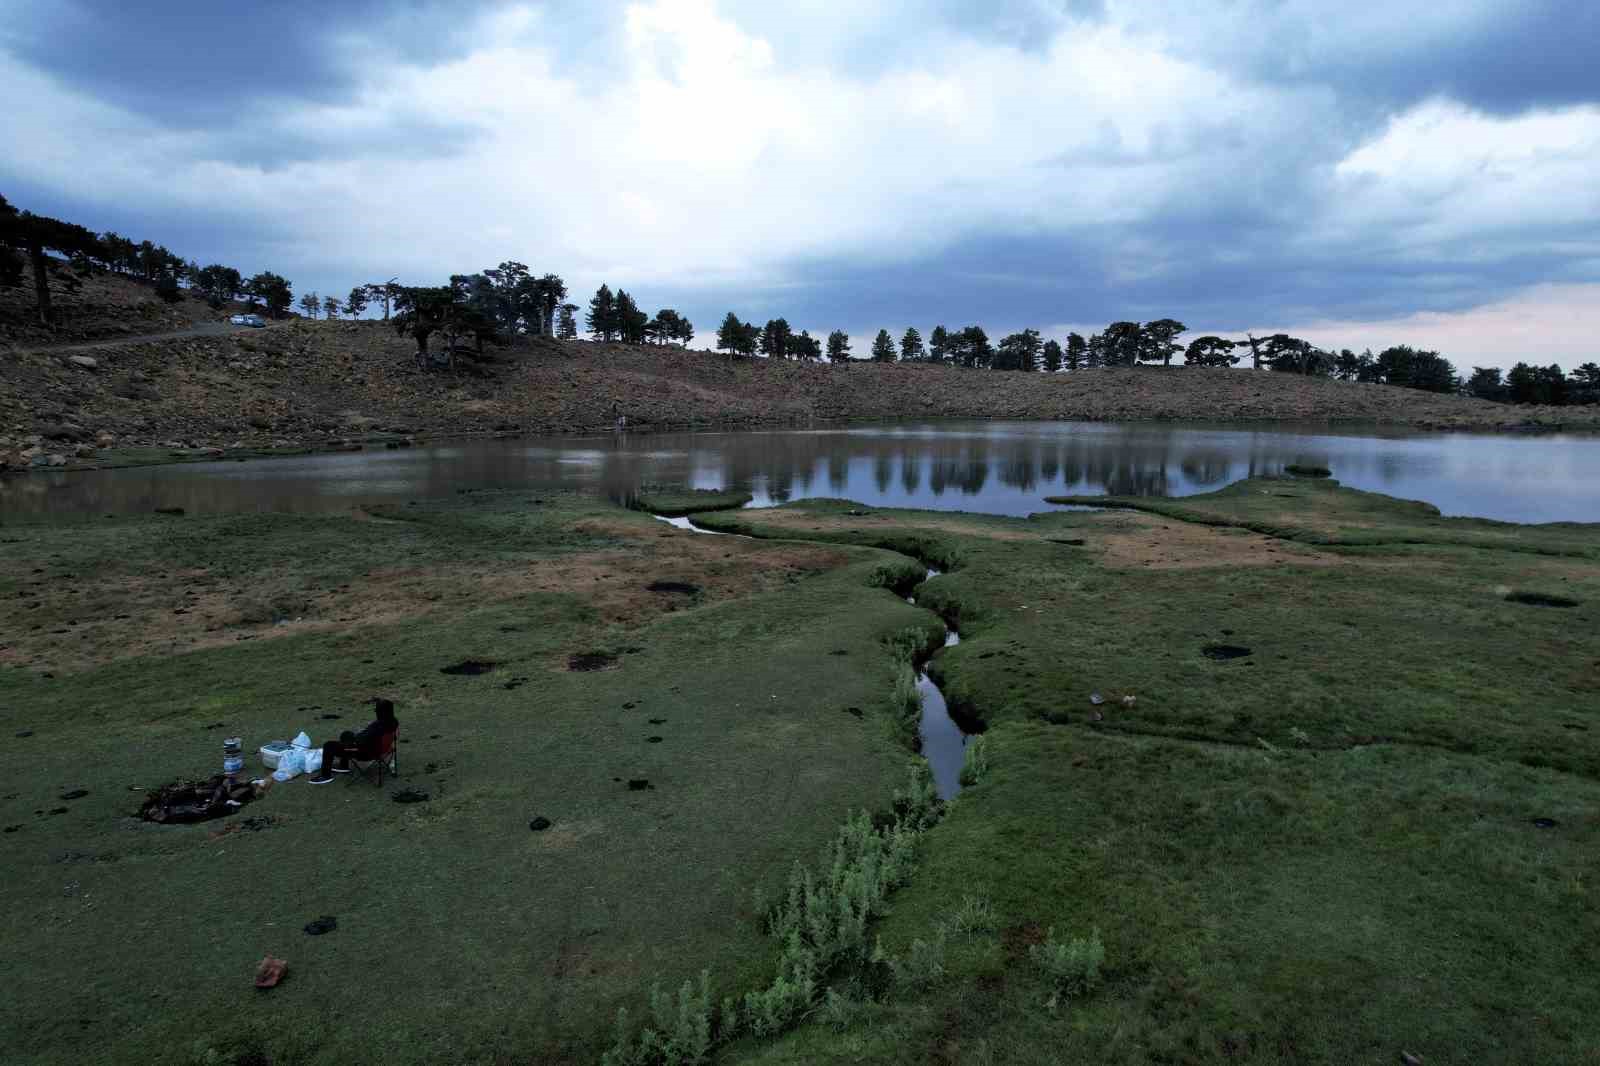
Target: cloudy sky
x=1361, y=173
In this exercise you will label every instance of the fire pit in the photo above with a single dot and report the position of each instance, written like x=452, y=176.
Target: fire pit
x=182, y=802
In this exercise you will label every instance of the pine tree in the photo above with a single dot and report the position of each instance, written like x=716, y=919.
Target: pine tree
x=356, y=302
x=602, y=316
x=1094, y=353
x=911, y=350
x=728, y=333
x=1052, y=356
x=838, y=346
x=1075, y=350
x=330, y=306
x=883, y=347
x=939, y=345
x=567, y=325
x=310, y=303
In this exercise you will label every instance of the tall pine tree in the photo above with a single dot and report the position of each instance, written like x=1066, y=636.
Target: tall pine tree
x=602, y=317
x=883, y=347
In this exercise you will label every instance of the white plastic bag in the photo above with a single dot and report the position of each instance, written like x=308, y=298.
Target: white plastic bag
x=302, y=741
x=291, y=763
x=312, y=761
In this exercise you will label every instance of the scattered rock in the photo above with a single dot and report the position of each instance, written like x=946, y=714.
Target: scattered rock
x=1096, y=699
x=22, y=733
x=1129, y=701
x=654, y=740
x=1224, y=652
x=326, y=924
x=75, y=794
x=539, y=824
x=639, y=784
x=658, y=721
x=1545, y=823
x=410, y=795
x=86, y=362
x=175, y=511
x=591, y=660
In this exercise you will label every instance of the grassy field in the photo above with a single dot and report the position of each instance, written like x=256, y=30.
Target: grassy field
x=132, y=647
x=1339, y=799
x=1369, y=831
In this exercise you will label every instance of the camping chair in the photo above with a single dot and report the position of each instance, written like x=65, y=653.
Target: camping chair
x=387, y=758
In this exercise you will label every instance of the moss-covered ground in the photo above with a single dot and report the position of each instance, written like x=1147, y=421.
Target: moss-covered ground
x=1350, y=811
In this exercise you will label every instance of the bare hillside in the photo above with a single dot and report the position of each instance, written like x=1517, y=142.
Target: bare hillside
x=96, y=306
x=316, y=383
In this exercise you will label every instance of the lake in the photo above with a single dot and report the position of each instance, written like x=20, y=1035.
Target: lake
x=993, y=467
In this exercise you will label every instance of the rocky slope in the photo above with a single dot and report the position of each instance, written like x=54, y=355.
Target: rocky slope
x=319, y=384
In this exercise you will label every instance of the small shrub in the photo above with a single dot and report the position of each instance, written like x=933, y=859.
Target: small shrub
x=975, y=762
x=839, y=1010
x=1072, y=968
x=975, y=915
x=923, y=965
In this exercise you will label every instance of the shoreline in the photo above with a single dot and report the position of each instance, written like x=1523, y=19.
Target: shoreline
x=178, y=457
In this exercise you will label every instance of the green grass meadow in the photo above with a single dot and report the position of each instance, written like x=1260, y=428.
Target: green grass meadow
x=1338, y=800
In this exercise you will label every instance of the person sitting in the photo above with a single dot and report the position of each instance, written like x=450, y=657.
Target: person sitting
x=336, y=754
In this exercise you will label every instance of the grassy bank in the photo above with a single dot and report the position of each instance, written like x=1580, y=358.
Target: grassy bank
x=1348, y=812
x=749, y=690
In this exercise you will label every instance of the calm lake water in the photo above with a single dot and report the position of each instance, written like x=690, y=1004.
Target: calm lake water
x=994, y=467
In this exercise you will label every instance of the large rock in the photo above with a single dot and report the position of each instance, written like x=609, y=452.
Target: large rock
x=64, y=431
x=84, y=361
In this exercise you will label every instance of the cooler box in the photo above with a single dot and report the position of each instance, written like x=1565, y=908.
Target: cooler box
x=270, y=752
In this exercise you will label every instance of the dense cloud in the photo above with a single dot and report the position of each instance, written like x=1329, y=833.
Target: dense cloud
x=1026, y=162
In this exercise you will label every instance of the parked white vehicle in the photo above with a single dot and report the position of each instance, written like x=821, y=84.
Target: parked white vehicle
x=248, y=320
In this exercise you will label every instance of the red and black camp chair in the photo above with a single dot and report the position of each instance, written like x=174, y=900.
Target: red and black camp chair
x=387, y=759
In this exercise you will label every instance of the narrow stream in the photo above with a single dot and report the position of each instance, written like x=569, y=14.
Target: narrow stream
x=943, y=742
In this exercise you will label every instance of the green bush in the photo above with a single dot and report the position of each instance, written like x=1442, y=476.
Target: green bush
x=975, y=762
x=821, y=922
x=1072, y=968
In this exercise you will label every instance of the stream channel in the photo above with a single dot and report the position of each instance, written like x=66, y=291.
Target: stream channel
x=943, y=743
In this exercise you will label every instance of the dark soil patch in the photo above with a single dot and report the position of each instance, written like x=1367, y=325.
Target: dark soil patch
x=683, y=587
x=591, y=660
x=256, y=825
x=654, y=740
x=1224, y=652
x=1299, y=470
x=326, y=924
x=1541, y=599
x=639, y=784
x=468, y=668
x=327, y=717
x=853, y=711
x=838, y=651
x=514, y=684
x=175, y=511
x=1071, y=542
x=658, y=721
x=75, y=794
x=1545, y=823
x=24, y=733
x=410, y=795
x=539, y=824
x=1017, y=939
